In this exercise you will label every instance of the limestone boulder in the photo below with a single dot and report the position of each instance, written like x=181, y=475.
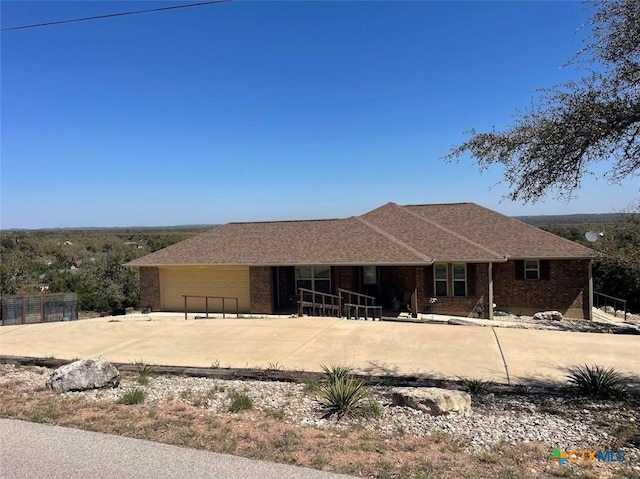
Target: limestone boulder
x=84, y=374
x=434, y=401
x=549, y=315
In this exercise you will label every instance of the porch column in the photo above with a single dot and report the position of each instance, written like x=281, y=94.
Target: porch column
x=590, y=300
x=490, y=290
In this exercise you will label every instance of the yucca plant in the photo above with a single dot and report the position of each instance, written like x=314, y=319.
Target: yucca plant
x=340, y=393
x=145, y=372
x=334, y=373
x=342, y=396
x=597, y=382
x=476, y=385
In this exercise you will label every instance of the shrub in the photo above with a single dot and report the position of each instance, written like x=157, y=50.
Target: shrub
x=372, y=407
x=239, y=401
x=133, y=396
x=597, y=382
x=476, y=385
x=145, y=372
x=341, y=395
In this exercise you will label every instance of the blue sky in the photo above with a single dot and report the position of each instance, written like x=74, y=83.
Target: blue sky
x=247, y=111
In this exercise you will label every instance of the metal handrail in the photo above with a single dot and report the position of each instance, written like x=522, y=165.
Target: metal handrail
x=596, y=295
x=206, y=304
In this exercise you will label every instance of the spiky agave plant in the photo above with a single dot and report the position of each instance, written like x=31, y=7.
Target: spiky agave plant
x=342, y=395
x=597, y=381
x=334, y=372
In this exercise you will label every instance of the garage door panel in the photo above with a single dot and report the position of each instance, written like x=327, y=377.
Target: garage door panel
x=229, y=281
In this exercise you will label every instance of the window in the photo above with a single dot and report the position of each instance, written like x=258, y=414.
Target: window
x=316, y=278
x=459, y=279
x=440, y=275
x=531, y=269
x=370, y=275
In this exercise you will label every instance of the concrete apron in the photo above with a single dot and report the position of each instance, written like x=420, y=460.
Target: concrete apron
x=434, y=350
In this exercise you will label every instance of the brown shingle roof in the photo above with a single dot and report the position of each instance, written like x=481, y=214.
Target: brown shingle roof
x=343, y=241
x=512, y=238
x=389, y=235
x=424, y=235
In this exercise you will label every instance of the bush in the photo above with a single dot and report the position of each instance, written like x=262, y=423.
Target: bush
x=597, y=382
x=476, y=385
x=239, y=401
x=372, y=407
x=133, y=396
x=145, y=372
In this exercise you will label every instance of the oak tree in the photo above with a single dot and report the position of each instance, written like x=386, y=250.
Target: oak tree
x=572, y=126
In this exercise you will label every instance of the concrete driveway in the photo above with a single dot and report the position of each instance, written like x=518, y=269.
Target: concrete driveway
x=439, y=351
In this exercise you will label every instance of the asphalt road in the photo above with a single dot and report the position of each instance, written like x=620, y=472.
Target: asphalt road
x=38, y=451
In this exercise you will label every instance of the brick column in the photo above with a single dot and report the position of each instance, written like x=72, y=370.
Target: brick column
x=260, y=290
x=150, y=288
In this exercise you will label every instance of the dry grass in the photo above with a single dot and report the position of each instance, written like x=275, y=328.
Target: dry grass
x=263, y=435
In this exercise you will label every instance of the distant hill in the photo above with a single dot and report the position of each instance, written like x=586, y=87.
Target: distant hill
x=577, y=219
x=113, y=228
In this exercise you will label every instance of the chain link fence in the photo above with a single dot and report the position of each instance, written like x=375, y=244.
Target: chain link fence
x=38, y=308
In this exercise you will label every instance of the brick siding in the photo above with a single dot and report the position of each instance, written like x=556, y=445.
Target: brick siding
x=475, y=304
x=260, y=289
x=347, y=277
x=150, y=288
x=566, y=290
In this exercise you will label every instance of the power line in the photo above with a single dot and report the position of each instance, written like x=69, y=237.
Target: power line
x=111, y=15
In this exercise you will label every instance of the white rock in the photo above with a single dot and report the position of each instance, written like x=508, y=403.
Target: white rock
x=434, y=401
x=84, y=374
x=554, y=315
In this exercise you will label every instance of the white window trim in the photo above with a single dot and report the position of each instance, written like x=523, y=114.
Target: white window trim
x=445, y=280
x=536, y=269
x=454, y=280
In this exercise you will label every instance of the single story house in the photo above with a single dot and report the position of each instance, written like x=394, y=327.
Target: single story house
x=465, y=256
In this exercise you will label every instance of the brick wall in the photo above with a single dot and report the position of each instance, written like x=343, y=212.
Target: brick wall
x=347, y=277
x=260, y=289
x=566, y=290
x=477, y=298
x=150, y=288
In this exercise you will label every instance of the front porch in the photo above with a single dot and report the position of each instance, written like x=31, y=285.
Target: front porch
x=394, y=289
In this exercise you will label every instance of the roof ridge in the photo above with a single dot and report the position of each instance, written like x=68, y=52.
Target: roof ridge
x=394, y=239
x=451, y=232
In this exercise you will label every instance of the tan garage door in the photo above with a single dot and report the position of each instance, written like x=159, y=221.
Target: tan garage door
x=230, y=281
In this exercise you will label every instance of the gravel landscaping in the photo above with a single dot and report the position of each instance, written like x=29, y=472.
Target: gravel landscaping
x=550, y=418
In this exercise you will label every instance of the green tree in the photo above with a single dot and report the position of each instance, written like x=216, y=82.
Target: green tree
x=618, y=273
x=105, y=284
x=571, y=126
